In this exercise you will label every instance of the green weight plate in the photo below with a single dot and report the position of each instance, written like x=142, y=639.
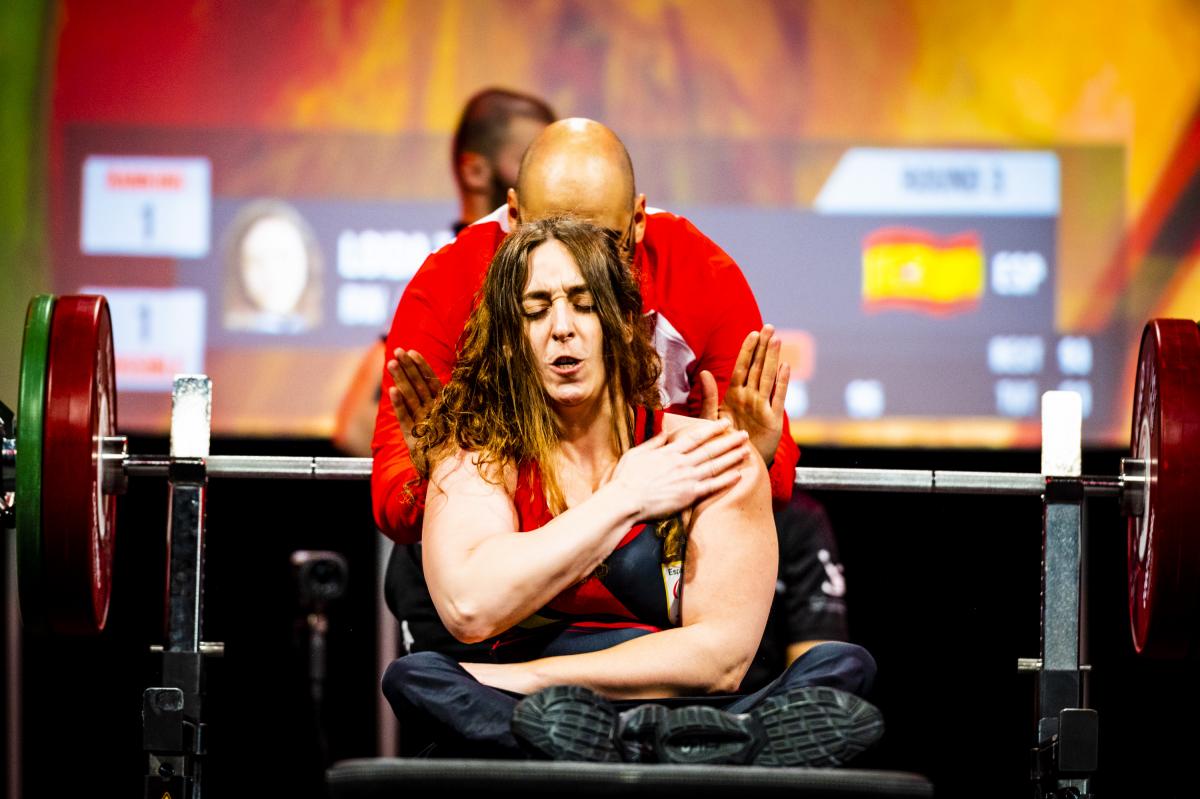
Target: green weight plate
x=31, y=403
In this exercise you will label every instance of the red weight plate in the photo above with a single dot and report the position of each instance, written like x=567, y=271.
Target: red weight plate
x=1164, y=553
x=79, y=520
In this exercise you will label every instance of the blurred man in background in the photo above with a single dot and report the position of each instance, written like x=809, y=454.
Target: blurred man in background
x=496, y=128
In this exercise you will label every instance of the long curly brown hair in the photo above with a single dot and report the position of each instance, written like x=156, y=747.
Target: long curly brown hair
x=495, y=404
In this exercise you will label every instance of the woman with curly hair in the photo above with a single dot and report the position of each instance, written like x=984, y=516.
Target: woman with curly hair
x=619, y=553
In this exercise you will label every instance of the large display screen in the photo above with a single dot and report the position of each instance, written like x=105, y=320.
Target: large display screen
x=926, y=295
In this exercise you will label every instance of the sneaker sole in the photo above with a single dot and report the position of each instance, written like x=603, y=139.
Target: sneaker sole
x=812, y=726
x=567, y=722
x=816, y=726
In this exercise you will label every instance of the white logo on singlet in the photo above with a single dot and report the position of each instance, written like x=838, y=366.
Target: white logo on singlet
x=836, y=584
x=672, y=576
x=407, y=639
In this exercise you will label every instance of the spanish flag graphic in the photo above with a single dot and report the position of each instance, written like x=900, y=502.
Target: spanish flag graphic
x=905, y=268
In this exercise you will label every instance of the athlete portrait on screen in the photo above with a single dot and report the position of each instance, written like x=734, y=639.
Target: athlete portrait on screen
x=272, y=275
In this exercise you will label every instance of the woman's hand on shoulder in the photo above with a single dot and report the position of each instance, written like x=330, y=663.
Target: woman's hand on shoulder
x=682, y=465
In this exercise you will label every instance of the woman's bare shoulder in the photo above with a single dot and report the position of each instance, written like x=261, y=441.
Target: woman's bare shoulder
x=465, y=467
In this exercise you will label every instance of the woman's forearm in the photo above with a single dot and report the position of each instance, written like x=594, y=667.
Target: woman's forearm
x=679, y=661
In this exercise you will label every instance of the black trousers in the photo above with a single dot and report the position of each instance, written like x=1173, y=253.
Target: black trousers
x=438, y=702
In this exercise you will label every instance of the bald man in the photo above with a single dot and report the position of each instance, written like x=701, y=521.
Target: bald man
x=705, y=320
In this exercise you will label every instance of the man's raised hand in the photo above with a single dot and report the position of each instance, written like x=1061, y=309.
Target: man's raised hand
x=755, y=396
x=414, y=390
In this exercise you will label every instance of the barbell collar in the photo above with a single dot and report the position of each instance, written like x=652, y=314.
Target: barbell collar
x=8, y=465
x=113, y=452
x=1133, y=486
x=8, y=477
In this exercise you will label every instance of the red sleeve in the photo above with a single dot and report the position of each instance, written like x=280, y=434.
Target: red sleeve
x=429, y=319
x=782, y=470
x=721, y=312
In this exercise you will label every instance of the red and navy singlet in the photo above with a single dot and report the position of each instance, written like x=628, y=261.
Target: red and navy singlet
x=633, y=592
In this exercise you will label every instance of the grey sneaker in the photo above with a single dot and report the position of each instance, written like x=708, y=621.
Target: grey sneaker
x=567, y=722
x=814, y=726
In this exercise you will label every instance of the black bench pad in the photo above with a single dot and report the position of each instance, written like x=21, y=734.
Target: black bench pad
x=401, y=778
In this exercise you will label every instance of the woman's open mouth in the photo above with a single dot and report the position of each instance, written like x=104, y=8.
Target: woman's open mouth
x=565, y=365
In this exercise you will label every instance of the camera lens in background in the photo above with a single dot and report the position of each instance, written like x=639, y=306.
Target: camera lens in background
x=320, y=575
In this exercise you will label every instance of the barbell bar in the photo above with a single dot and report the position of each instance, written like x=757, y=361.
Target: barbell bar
x=68, y=458
x=119, y=466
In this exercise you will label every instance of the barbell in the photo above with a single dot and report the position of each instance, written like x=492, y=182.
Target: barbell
x=67, y=463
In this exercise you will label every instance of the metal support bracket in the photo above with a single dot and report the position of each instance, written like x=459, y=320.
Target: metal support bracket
x=173, y=730
x=1064, y=726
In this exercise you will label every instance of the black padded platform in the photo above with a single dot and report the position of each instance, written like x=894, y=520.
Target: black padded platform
x=401, y=778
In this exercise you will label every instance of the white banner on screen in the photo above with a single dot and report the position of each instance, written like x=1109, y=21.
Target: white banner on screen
x=157, y=334
x=886, y=182
x=146, y=206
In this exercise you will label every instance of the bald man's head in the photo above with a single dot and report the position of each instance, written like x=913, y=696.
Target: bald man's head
x=579, y=167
